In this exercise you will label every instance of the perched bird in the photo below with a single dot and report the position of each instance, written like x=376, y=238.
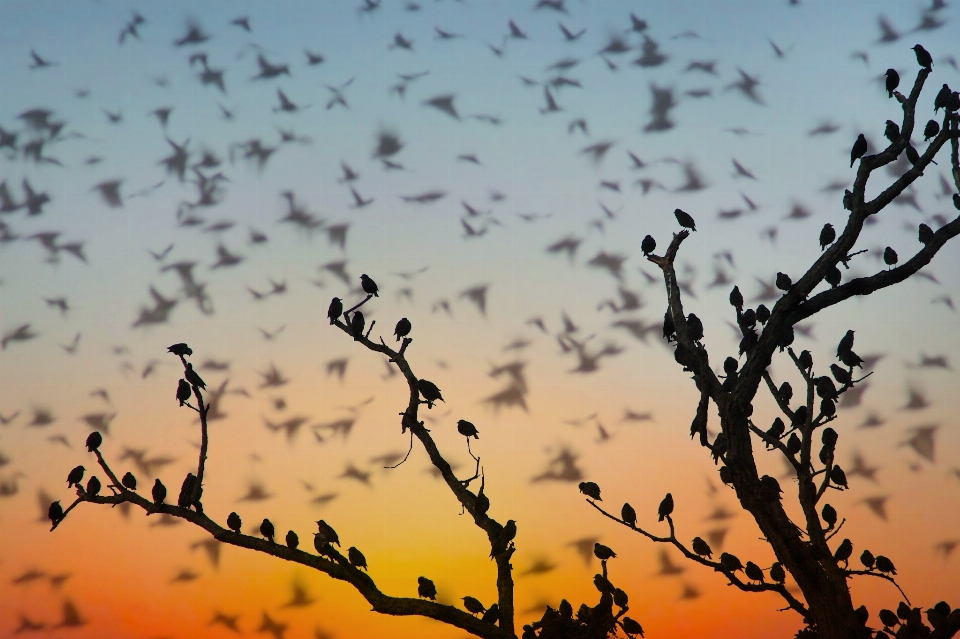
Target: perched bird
x=159, y=492
x=369, y=286
x=233, y=522
x=685, y=220
x=356, y=325
x=843, y=552
x=429, y=391
x=763, y=313
x=590, y=489
x=730, y=563
x=629, y=515
x=858, y=150
x=829, y=514
x=492, y=615
x=777, y=572
x=885, y=565
x=891, y=131
x=266, y=529
x=867, y=559
x=55, y=513
x=924, y=59
x=335, y=310
x=75, y=476
x=833, y=276
x=426, y=588
x=784, y=282
x=838, y=477
x=694, y=327
x=94, y=440
x=666, y=507
x=467, y=429
x=192, y=377
x=632, y=627
x=924, y=234
x=402, y=329
x=893, y=81
x=357, y=560
x=603, y=552
x=183, y=392
x=473, y=605
x=943, y=96
x=702, y=548
x=827, y=236
x=736, y=298
x=889, y=256
x=648, y=245
x=931, y=129
x=753, y=572
x=180, y=349
x=129, y=481
x=292, y=540
x=327, y=533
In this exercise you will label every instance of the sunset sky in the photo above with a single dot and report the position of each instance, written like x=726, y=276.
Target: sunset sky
x=760, y=104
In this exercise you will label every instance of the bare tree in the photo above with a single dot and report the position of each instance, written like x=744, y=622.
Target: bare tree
x=803, y=549
x=493, y=622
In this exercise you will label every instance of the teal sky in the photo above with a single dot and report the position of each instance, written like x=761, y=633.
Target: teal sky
x=533, y=182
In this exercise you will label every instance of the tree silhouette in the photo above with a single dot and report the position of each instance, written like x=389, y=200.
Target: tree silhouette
x=803, y=549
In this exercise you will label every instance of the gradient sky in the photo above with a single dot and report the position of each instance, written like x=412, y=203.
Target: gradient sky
x=131, y=576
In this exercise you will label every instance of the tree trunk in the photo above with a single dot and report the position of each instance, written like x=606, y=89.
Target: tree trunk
x=810, y=563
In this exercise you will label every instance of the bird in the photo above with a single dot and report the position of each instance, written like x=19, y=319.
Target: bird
x=180, y=349
x=335, y=310
x=234, y=522
x=702, y=548
x=629, y=515
x=784, y=283
x=859, y=148
x=473, y=605
x=827, y=235
x=55, y=513
x=426, y=589
x=292, y=540
x=356, y=558
x=369, y=286
x=159, y=492
x=603, y=552
x=730, y=563
x=892, y=82
x=94, y=440
x=429, y=391
x=183, y=392
x=129, y=481
x=326, y=533
x=590, y=489
x=648, y=245
x=889, y=256
x=75, y=476
x=753, y=571
x=685, y=220
x=267, y=530
x=883, y=564
x=467, y=429
x=192, y=377
x=402, y=329
x=924, y=59
x=666, y=507
x=930, y=130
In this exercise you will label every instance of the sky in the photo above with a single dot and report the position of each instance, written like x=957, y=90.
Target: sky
x=556, y=355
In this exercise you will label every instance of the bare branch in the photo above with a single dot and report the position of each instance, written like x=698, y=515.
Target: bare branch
x=881, y=576
x=780, y=589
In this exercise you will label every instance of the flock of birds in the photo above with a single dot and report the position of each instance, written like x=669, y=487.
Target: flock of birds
x=40, y=141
